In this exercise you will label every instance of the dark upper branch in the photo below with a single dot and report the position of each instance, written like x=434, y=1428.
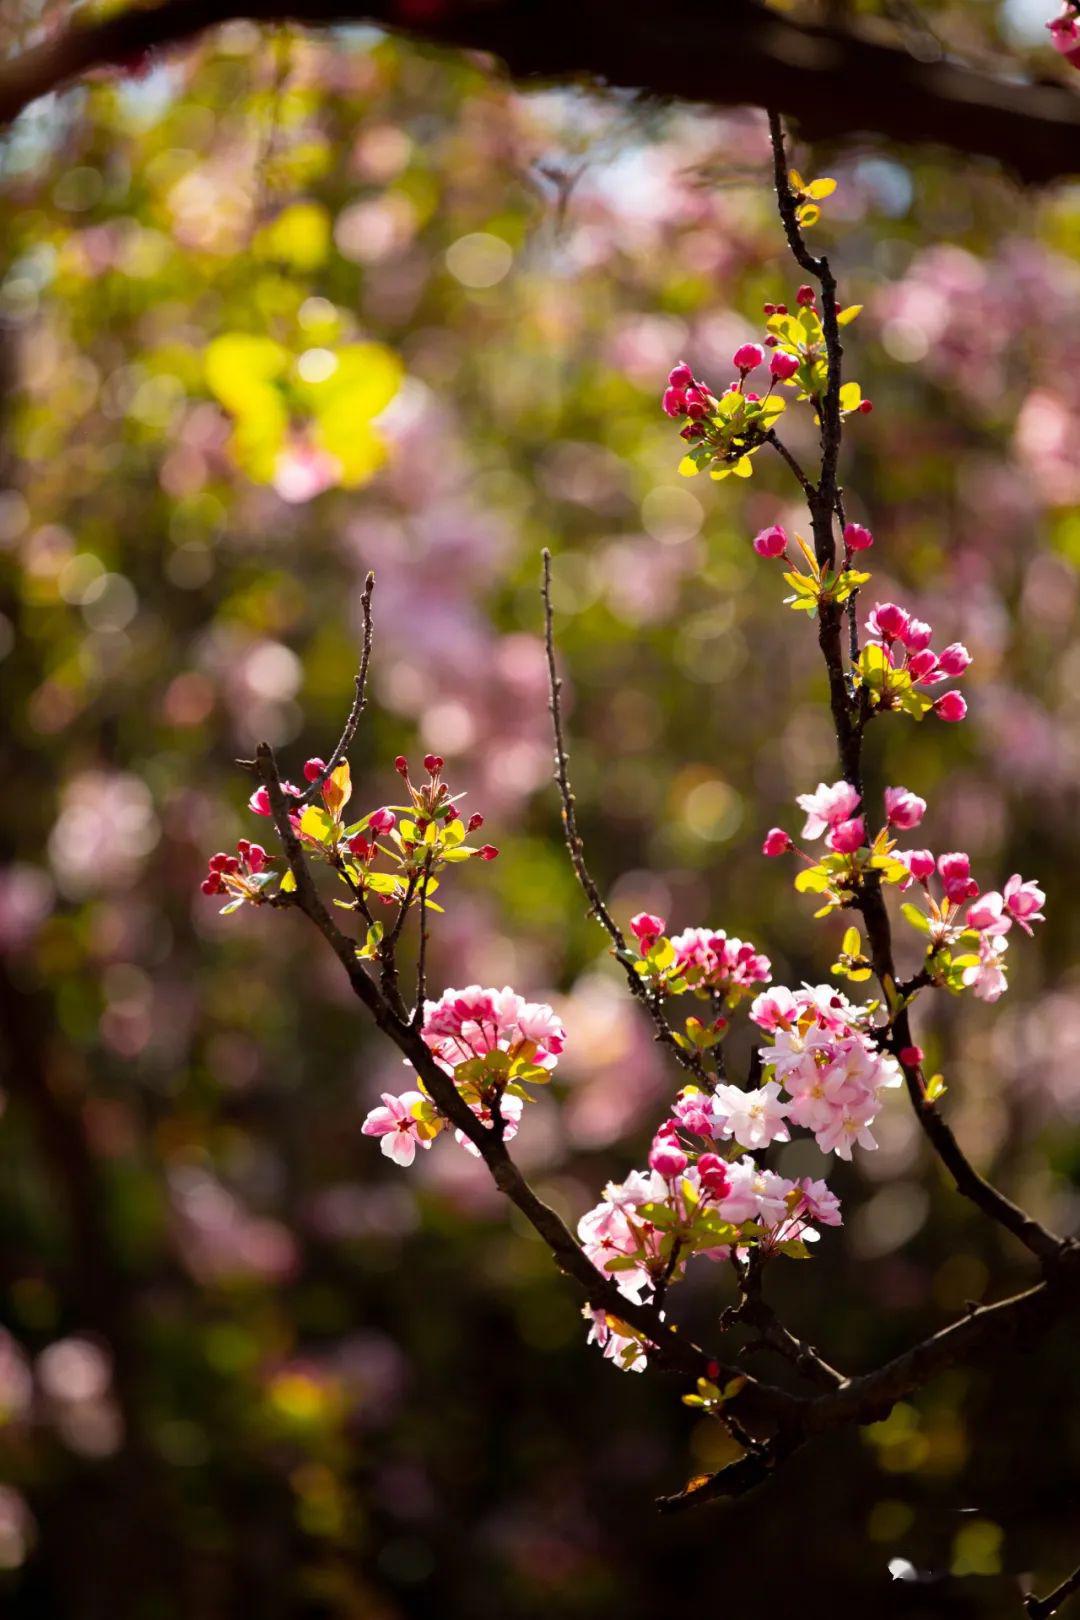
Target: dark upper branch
x=1038, y=1608
x=836, y=83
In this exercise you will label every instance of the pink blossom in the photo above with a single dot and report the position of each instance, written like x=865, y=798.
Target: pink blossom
x=382, y=821
x=950, y=706
x=397, y=1126
x=646, y=928
x=259, y=802
x=783, y=365
x=845, y=837
x=916, y=637
x=771, y=542
x=693, y=1111
x=987, y=978
x=776, y=842
x=510, y=1112
x=903, y=808
x=919, y=862
x=754, y=1194
x=748, y=357
x=857, y=537
x=827, y=806
x=674, y=402
x=707, y=957
x=818, y=1202
x=922, y=665
x=752, y=1118
x=774, y=1009
x=680, y=376
x=887, y=622
x=666, y=1157
x=987, y=914
x=954, y=660
x=1024, y=901
x=628, y=1352
x=470, y=1023
x=713, y=1172
x=956, y=878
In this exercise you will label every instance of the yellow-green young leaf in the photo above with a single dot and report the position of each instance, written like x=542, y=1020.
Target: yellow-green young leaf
x=316, y=824
x=808, y=214
x=846, y=315
x=692, y=1400
x=936, y=1087
x=818, y=190
x=743, y=468
x=852, y=942
x=796, y=181
x=688, y=468
x=859, y=974
x=850, y=396
x=812, y=880
x=288, y=883
x=383, y=883
x=915, y=917
x=337, y=789
x=774, y=406
x=454, y=831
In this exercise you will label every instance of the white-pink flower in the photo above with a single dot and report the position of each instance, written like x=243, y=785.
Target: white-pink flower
x=397, y=1125
x=751, y=1118
x=469, y=1023
x=827, y=806
x=903, y=808
x=987, y=977
x=1024, y=902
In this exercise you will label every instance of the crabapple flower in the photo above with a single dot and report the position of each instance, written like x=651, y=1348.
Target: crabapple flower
x=954, y=660
x=987, y=914
x=629, y=1352
x=887, y=622
x=510, y=1110
x=1065, y=35
x=709, y=959
x=771, y=542
x=748, y=357
x=987, y=977
x=398, y=1126
x=950, y=706
x=776, y=842
x=313, y=769
x=259, y=803
x=751, y=1118
x=713, y=1173
x=917, y=636
x=827, y=807
x=819, y=1203
x=646, y=928
x=382, y=821
x=783, y=365
x=754, y=1194
x=470, y=1023
x=666, y=1157
x=845, y=837
x=903, y=808
x=919, y=862
x=857, y=537
x=956, y=878
x=1024, y=902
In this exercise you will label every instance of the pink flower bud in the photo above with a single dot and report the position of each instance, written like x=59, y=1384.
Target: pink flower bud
x=360, y=847
x=212, y=884
x=805, y=296
x=401, y=765
x=382, y=821
x=865, y=406
x=781, y=309
x=922, y=664
x=911, y=1056
x=474, y=822
x=954, y=660
x=259, y=802
x=776, y=842
x=772, y=341
x=680, y=376
x=769, y=309
x=219, y=862
x=847, y=836
x=313, y=769
x=889, y=621
x=916, y=637
x=903, y=808
x=487, y=852
x=857, y=537
x=771, y=542
x=674, y=401
x=783, y=365
x=950, y=706
x=747, y=357
x=433, y=763
x=255, y=857
x=956, y=878
x=646, y=928
x=667, y=1157
x=919, y=862
x=714, y=1175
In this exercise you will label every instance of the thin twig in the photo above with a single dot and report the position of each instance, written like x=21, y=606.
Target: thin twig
x=359, y=702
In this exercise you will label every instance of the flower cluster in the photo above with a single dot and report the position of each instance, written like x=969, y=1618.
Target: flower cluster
x=958, y=915
x=243, y=876
x=493, y=1043
x=724, y=431
x=898, y=660
x=705, y=962
x=414, y=840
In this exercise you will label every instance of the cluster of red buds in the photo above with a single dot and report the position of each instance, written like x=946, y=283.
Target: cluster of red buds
x=432, y=801
x=230, y=873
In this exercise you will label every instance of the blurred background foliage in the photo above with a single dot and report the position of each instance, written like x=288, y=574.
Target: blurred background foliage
x=284, y=308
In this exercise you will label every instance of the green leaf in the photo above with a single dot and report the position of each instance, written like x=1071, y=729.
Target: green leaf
x=918, y=919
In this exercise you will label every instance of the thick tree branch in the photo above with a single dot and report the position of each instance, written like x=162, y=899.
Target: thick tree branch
x=1038, y=1608
x=836, y=83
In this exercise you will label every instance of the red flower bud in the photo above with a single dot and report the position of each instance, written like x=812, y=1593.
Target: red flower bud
x=433, y=763
x=219, y=862
x=401, y=765
x=911, y=1056
x=475, y=821
x=488, y=852
x=681, y=376
x=313, y=769
x=805, y=296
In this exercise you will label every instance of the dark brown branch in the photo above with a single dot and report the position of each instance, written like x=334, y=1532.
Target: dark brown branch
x=835, y=82
x=737, y=1479
x=359, y=702
x=1037, y=1608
